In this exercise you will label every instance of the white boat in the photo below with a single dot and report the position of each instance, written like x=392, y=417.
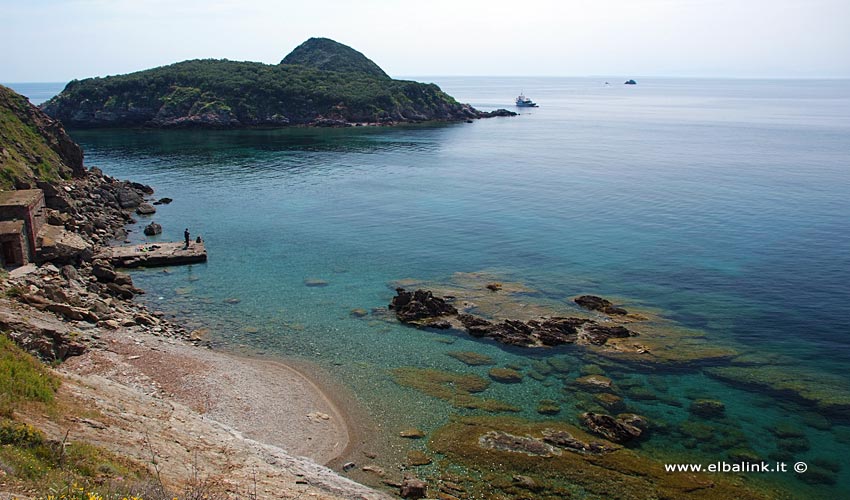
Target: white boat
x=525, y=102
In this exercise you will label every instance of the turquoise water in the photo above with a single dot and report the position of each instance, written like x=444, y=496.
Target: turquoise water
x=722, y=203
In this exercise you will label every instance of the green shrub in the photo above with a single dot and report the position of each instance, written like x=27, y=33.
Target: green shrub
x=22, y=377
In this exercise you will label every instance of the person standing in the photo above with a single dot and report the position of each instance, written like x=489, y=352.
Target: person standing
x=186, y=236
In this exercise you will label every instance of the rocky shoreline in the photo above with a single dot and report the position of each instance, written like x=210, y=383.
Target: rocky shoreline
x=141, y=372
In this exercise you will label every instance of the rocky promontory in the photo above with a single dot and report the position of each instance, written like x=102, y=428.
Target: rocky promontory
x=322, y=83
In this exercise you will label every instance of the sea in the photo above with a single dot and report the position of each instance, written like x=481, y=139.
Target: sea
x=721, y=205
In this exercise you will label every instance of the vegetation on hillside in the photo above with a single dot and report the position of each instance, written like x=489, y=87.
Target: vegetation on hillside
x=25, y=153
x=328, y=55
x=67, y=469
x=222, y=93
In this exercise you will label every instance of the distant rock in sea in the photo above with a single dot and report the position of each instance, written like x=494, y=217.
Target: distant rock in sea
x=322, y=83
x=630, y=82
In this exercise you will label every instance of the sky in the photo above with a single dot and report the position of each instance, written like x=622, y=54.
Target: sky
x=59, y=40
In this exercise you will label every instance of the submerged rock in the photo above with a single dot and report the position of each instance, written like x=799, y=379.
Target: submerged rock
x=417, y=458
x=456, y=388
x=616, y=430
x=707, y=408
x=609, y=401
x=498, y=448
x=412, y=433
x=358, y=313
x=830, y=394
x=505, y=375
x=594, y=383
x=471, y=358
x=548, y=407
x=517, y=444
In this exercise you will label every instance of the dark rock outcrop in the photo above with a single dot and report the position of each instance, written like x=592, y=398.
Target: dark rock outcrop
x=599, y=334
x=153, y=229
x=412, y=487
x=422, y=308
x=501, y=112
x=563, y=439
x=419, y=305
x=594, y=303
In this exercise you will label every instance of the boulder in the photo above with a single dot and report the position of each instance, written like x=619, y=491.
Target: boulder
x=69, y=272
x=610, y=428
x=57, y=218
x=103, y=271
x=163, y=201
x=128, y=197
x=153, y=229
x=123, y=291
x=412, y=487
x=60, y=246
x=145, y=209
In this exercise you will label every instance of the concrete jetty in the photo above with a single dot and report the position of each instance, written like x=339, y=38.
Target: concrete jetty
x=155, y=254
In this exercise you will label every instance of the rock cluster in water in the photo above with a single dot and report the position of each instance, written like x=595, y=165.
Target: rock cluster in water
x=422, y=308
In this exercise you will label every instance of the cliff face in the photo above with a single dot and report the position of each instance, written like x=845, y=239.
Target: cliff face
x=33, y=146
x=321, y=83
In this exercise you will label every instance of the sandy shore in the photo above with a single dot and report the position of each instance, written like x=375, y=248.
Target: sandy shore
x=264, y=400
x=233, y=418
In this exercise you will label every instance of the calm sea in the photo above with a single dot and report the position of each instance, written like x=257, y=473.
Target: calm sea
x=724, y=204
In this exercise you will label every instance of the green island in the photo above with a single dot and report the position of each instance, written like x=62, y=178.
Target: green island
x=321, y=83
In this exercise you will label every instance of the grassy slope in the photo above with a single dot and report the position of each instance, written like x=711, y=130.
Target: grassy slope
x=35, y=464
x=24, y=154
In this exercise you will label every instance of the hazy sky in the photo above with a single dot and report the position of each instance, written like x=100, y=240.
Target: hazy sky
x=55, y=40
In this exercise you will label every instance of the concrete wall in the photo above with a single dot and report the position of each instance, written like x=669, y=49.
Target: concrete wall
x=18, y=244
x=34, y=217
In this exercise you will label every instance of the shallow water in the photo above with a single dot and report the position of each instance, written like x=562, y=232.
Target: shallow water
x=721, y=204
